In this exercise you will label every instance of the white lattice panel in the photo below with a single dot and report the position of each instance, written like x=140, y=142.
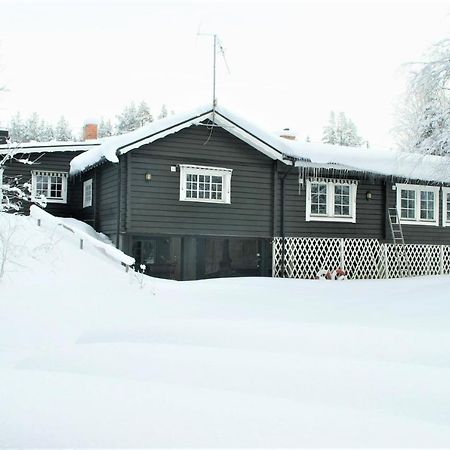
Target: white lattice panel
x=361, y=258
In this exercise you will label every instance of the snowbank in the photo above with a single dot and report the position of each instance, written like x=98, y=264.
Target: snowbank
x=92, y=356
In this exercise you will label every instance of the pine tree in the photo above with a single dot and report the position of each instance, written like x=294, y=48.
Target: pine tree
x=46, y=132
x=163, y=112
x=329, y=132
x=62, y=130
x=143, y=114
x=341, y=131
x=17, y=128
x=31, y=128
x=105, y=128
x=127, y=119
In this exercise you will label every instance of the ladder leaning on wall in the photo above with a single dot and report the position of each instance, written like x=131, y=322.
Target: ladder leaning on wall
x=399, y=242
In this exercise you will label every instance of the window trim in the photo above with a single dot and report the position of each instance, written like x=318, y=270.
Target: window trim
x=188, y=169
x=1, y=188
x=63, y=175
x=445, y=192
x=87, y=184
x=330, y=216
x=418, y=188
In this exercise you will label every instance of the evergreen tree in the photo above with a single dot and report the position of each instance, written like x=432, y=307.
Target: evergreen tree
x=17, y=128
x=46, y=132
x=143, y=114
x=341, y=131
x=329, y=132
x=62, y=130
x=127, y=119
x=32, y=128
x=105, y=128
x=163, y=112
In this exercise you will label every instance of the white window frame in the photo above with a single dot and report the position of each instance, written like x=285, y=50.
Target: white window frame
x=186, y=169
x=330, y=216
x=87, y=193
x=48, y=173
x=445, y=192
x=418, y=188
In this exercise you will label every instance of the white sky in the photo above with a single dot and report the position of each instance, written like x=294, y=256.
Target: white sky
x=291, y=62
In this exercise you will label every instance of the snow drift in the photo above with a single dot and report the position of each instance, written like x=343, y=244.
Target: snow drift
x=92, y=356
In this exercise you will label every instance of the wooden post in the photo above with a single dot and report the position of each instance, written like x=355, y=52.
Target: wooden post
x=342, y=260
x=81, y=244
x=39, y=222
x=386, y=262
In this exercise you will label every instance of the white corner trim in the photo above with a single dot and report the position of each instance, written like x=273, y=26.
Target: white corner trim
x=445, y=192
x=330, y=217
x=418, y=188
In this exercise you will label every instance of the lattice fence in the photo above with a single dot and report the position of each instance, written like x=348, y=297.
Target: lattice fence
x=361, y=258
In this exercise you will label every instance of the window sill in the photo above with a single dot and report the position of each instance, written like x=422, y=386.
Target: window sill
x=419, y=222
x=50, y=200
x=202, y=200
x=330, y=219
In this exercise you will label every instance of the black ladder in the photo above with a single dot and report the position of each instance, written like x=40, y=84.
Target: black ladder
x=399, y=241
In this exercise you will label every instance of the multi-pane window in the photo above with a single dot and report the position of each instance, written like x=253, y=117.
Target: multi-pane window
x=319, y=198
x=205, y=184
x=51, y=185
x=208, y=187
x=408, y=204
x=332, y=200
x=418, y=204
x=342, y=200
x=87, y=193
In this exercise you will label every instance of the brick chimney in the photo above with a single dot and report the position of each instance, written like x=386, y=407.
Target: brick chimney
x=289, y=134
x=90, y=130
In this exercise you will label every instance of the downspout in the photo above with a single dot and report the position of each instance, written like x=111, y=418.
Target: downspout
x=283, y=234
x=119, y=198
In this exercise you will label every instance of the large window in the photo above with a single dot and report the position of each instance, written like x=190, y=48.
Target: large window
x=417, y=204
x=205, y=184
x=51, y=185
x=87, y=193
x=331, y=200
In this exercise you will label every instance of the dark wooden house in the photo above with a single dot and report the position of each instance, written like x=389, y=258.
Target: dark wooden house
x=208, y=194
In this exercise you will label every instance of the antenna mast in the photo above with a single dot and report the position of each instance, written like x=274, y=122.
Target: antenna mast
x=216, y=41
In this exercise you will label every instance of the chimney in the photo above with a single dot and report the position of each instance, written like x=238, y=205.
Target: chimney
x=4, y=136
x=90, y=130
x=286, y=133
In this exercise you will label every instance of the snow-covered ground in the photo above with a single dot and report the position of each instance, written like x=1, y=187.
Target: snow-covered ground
x=93, y=356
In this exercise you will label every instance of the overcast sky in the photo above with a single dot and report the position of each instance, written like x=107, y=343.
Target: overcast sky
x=290, y=62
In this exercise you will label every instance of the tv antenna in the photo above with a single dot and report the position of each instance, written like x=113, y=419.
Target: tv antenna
x=217, y=46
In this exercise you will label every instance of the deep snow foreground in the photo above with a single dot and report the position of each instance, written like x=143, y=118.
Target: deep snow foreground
x=92, y=356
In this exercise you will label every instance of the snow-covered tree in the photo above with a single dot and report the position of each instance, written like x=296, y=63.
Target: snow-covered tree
x=329, y=131
x=63, y=131
x=163, y=112
x=423, y=119
x=143, y=114
x=342, y=131
x=127, y=120
x=32, y=128
x=105, y=128
x=17, y=128
x=46, y=133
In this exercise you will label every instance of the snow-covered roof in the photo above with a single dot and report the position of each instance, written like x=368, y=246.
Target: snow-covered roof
x=49, y=147
x=306, y=154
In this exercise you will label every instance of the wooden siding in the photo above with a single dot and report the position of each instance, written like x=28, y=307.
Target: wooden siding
x=154, y=206
x=52, y=161
x=421, y=234
x=370, y=214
